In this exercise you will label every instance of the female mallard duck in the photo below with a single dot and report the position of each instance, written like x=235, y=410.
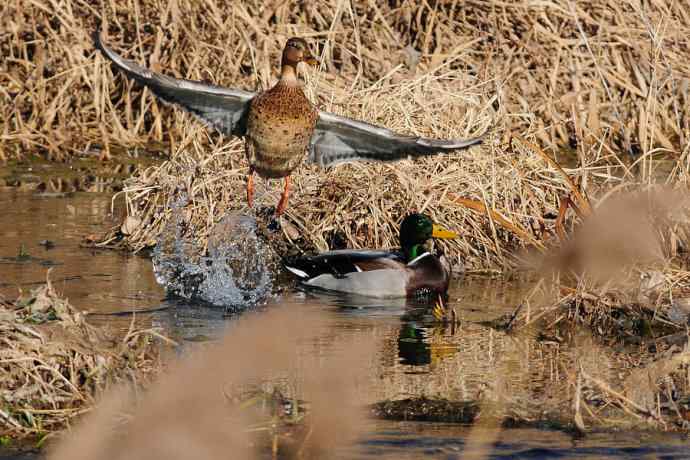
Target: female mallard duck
x=409, y=272
x=280, y=124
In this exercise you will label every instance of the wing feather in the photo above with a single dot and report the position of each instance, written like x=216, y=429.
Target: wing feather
x=223, y=108
x=343, y=261
x=339, y=139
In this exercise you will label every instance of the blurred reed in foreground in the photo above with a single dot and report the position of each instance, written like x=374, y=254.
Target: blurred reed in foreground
x=193, y=410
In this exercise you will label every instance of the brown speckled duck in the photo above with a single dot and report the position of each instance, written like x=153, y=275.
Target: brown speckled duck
x=281, y=124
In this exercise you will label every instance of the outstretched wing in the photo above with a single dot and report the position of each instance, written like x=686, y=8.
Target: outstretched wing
x=223, y=108
x=338, y=139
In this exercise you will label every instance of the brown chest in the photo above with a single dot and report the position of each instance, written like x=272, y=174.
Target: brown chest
x=279, y=128
x=429, y=277
x=283, y=112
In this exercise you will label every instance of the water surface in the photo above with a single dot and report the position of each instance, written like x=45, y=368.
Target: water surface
x=44, y=231
x=414, y=356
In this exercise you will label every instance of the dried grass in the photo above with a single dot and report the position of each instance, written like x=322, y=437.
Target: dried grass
x=575, y=74
x=619, y=289
x=505, y=204
x=585, y=99
x=54, y=364
x=623, y=266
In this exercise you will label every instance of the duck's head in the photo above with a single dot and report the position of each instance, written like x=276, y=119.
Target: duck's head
x=415, y=230
x=296, y=50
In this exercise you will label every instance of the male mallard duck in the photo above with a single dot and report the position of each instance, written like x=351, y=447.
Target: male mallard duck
x=280, y=124
x=409, y=272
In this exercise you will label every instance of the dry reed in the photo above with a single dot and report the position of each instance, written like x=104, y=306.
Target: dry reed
x=576, y=74
x=54, y=365
x=584, y=98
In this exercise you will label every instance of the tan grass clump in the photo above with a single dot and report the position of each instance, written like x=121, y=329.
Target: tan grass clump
x=622, y=270
x=505, y=201
x=360, y=205
x=54, y=364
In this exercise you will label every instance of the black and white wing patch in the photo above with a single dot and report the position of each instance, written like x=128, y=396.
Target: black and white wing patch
x=223, y=108
x=342, y=262
x=338, y=139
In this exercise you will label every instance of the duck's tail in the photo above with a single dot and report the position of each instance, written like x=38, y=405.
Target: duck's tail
x=299, y=265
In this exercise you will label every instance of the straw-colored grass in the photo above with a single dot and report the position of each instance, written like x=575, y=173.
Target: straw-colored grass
x=581, y=99
x=575, y=73
x=54, y=364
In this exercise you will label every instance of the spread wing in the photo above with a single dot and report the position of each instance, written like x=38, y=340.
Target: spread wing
x=338, y=139
x=223, y=108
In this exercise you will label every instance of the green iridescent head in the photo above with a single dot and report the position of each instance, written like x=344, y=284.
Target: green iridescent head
x=416, y=229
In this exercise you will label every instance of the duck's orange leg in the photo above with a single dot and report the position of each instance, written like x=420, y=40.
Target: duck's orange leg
x=282, y=204
x=250, y=187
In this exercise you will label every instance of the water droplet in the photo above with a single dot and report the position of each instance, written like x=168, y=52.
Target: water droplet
x=235, y=271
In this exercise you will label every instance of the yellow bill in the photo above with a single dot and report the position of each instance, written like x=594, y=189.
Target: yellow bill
x=440, y=232
x=311, y=60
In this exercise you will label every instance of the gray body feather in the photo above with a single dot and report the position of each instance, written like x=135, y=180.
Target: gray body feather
x=340, y=271
x=340, y=139
x=374, y=283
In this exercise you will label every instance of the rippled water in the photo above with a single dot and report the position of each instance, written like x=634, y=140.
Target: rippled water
x=49, y=229
x=406, y=440
x=413, y=357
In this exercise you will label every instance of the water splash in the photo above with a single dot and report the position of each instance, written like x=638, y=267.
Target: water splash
x=233, y=272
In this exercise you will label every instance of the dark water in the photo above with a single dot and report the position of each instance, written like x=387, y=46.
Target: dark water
x=430, y=440
x=48, y=228
x=414, y=356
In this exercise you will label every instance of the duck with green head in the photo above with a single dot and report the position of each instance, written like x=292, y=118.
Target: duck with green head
x=410, y=271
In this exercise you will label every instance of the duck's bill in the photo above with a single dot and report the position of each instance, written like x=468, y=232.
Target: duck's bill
x=440, y=232
x=311, y=60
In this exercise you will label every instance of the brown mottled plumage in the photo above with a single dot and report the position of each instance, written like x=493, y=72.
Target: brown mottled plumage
x=280, y=125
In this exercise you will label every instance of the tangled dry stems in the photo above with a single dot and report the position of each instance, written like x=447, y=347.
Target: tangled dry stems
x=602, y=86
x=54, y=364
x=573, y=73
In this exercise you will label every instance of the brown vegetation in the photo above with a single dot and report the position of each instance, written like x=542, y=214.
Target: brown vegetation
x=54, y=365
x=574, y=74
x=586, y=100
x=598, y=85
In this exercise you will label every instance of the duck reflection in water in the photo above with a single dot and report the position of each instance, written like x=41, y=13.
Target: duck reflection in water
x=425, y=339
x=425, y=335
